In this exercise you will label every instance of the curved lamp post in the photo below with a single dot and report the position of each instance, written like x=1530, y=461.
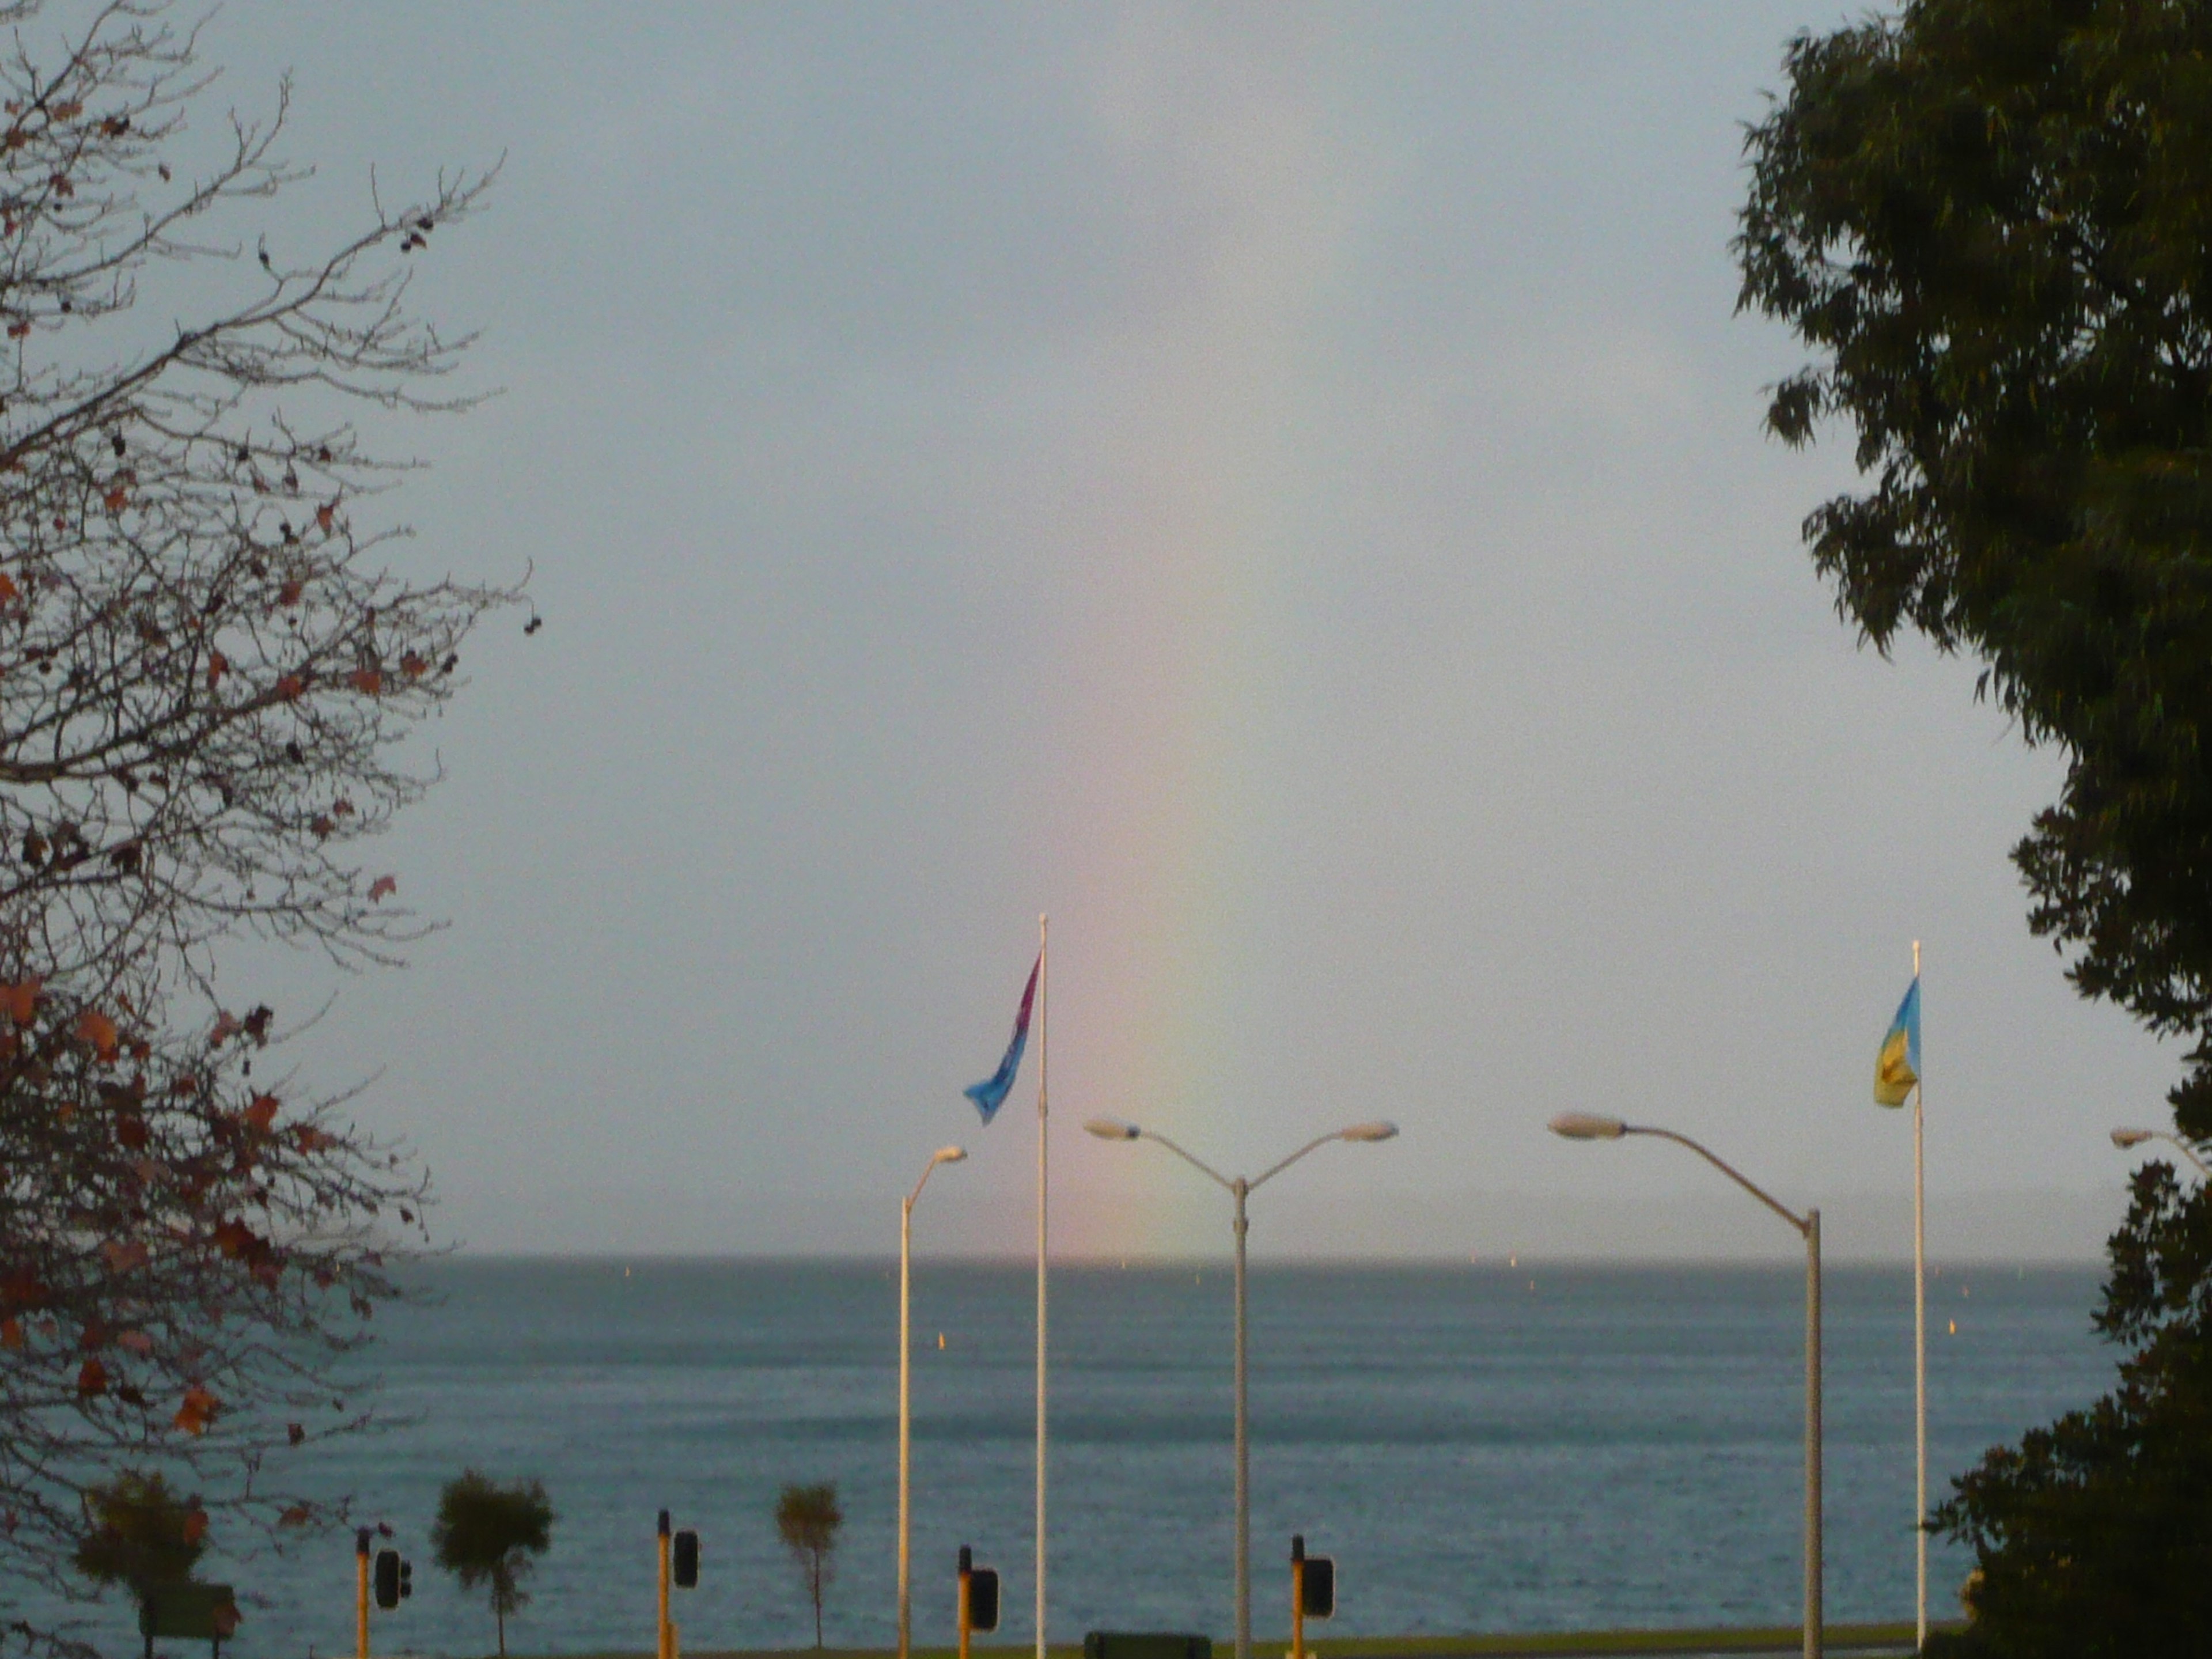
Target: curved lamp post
x=942, y=1155
x=1585, y=1126
x=2125, y=1138
x=1107, y=1128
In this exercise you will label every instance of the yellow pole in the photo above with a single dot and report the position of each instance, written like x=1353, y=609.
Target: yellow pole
x=964, y=1602
x=360, y=1593
x=1298, y=1605
x=662, y=1645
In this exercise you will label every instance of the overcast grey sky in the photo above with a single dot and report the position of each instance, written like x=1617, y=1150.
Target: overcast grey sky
x=1279, y=489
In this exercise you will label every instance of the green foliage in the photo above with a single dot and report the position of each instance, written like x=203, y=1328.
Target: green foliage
x=2091, y=1534
x=1989, y=219
x=486, y=1533
x=140, y=1534
x=807, y=1519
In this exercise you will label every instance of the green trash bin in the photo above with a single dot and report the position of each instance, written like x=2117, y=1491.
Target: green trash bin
x=1145, y=1645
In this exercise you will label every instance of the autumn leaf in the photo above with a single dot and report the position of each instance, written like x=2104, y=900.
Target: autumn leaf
x=124, y=1254
x=289, y=592
x=218, y=666
x=8, y=589
x=296, y=1433
x=413, y=665
x=117, y=499
x=324, y=515
x=195, y=1527
x=321, y=825
x=261, y=1114
x=309, y=1139
x=383, y=887
x=290, y=686
x=21, y=1000
x=226, y=1026
x=137, y=1341
x=92, y=1380
x=233, y=1238
x=297, y=1516
x=96, y=1029
x=369, y=681
x=69, y=111
x=11, y=1333
x=197, y=1411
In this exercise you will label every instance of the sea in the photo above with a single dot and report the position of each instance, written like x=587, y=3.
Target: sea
x=1482, y=1448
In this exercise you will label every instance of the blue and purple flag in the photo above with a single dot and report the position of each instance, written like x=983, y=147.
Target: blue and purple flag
x=991, y=1093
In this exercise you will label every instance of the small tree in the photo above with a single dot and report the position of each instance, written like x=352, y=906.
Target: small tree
x=807, y=1519
x=139, y=1533
x=486, y=1534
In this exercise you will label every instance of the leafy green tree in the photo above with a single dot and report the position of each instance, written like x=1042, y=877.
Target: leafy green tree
x=2092, y=1534
x=139, y=1533
x=807, y=1519
x=486, y=1534
x=1989, y=219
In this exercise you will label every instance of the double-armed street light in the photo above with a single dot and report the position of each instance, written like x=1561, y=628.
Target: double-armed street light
x=1585, y=1126
x=1239, y=1188
x=2125, y=1138
x=942, y=1155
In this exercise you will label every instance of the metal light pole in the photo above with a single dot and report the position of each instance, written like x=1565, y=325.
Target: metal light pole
x=942, y=1155
x=2125, y=1138
x=1583, y=1126
x=1239, y=1188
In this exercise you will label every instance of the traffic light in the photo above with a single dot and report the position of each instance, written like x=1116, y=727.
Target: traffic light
x=983, y=1600
x=406, y=1578
x=1317, y=1582
x=388, y=1579
x=686, y=1562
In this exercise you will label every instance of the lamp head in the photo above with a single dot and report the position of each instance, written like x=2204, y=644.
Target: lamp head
x=949, y=1155
x=1108, y=1128
x=2126, y=1138
x=1381, y=1130
x=1588, y=1126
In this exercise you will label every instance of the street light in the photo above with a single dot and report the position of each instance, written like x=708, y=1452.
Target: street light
x=942, y=1155
x=1107, y=1128
x=2124, y=1139
x=1585, y=1126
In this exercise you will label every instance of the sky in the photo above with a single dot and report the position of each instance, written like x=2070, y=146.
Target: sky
x=1280, y=489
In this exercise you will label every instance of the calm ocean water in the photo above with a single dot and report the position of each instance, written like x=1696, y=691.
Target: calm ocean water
x=1480, y=1448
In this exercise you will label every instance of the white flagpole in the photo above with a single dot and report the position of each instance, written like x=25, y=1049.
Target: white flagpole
x=1919, y=1341
x=1044, y=1001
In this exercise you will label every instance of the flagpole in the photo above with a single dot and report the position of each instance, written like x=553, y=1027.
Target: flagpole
x=1919, y=1341
x=1044, y=1051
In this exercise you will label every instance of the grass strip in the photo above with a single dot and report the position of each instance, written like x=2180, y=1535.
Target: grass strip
x=1546, y=1645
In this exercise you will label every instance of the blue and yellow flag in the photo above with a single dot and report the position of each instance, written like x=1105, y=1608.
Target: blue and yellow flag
x=1898, y=1066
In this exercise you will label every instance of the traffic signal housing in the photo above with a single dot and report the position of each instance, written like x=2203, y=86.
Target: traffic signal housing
x=684, y=1564
x=388, y=1579
x=1317, y=1587
x=983, y=1600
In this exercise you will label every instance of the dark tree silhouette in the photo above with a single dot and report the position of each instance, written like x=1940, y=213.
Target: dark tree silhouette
x=486, y=1534
x=806, y=1520
x=142, y=1535
x=1988, y=219
x=207, y=686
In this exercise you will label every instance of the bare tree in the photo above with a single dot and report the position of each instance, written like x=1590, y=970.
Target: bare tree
x=206, y=685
